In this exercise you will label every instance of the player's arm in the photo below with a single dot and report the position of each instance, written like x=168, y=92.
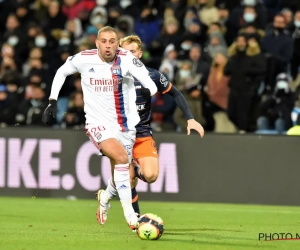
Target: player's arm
x=139, y=71
x=66, y=69
x=180, y=101
x=165, y=87
x=183, y=105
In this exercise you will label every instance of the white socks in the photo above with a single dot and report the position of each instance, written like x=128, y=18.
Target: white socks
x=122, y=181
x=111, y=189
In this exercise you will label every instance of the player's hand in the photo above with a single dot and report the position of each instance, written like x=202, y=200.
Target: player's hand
x=192, y=124
x=146, y=93
x=50, y=112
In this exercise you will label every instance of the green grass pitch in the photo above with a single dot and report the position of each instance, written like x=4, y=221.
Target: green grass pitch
x=58, y=224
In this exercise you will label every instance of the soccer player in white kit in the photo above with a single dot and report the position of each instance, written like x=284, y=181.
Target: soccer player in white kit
x=109, y=103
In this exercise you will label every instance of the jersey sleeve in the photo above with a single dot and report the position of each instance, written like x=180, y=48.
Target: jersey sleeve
x=139, y=71
x=162, y=83
x=68, y=68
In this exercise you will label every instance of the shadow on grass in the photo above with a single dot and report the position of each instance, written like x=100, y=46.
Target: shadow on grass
x=202, y=229
x=205, y=233
x=209, y=243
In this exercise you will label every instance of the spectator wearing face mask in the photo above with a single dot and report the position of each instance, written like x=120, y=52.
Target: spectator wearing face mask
x=246, y=68
x=32, y=31
x=277, y=45
x=75, y=28
x=250, y=17
x=275, y=111
x=15, y=37
x=183, y=48
x=13, y=32
x=45, y=43
x=295, y=31
x=216, y=45
x=189, y=84
x=66, y=39
x=8, y=107
x=248, y=11
x=190, y=15
x=98, y=17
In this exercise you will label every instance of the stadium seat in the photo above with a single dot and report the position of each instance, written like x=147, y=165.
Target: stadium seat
x=268, y=132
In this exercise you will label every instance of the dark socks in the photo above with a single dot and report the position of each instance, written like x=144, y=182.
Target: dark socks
x=135, y=201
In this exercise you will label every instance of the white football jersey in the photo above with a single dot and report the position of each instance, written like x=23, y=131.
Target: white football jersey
x=108, y=88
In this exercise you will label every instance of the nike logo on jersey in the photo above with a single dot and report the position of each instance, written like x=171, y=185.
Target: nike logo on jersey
x=92, y=70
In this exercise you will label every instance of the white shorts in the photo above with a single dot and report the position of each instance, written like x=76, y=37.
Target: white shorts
x=98, y=134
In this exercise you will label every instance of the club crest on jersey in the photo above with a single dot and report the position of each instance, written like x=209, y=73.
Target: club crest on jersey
x=116, y=70
x=163, y=80
x=137, y=62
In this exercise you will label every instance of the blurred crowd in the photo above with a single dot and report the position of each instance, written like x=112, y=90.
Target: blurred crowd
x=237, y=62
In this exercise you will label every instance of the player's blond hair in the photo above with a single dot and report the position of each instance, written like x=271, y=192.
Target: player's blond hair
x=107, y=29
x=132, y=39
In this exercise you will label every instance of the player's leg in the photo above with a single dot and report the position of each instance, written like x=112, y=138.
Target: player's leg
x=145, y=161
x=127, y=139
x=110, y=192
x=145, y=166
x=113, y=149
x=134, y=194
